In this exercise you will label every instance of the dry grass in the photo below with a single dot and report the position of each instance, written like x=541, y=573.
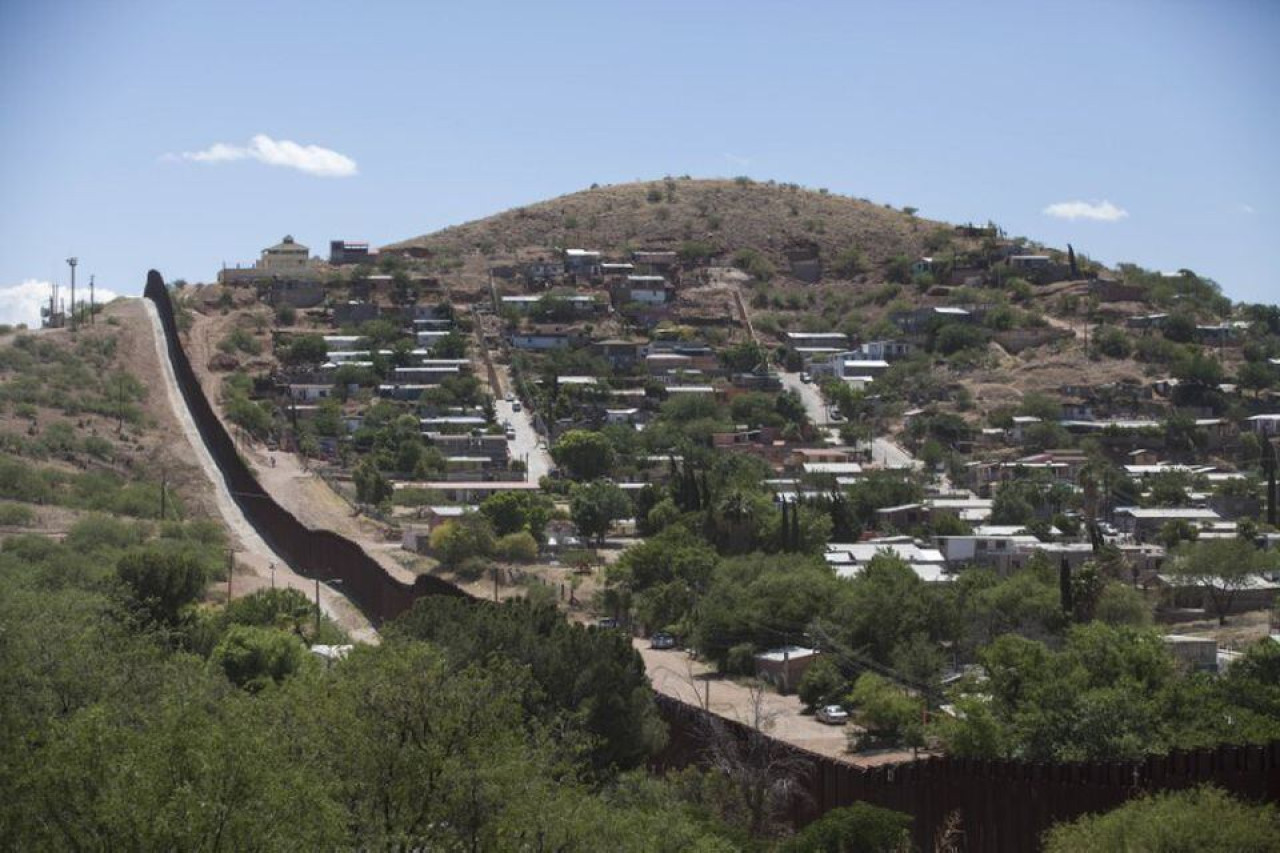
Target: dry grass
x=726, y=215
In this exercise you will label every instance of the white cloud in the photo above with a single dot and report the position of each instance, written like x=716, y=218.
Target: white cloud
x=21, y=303
x=312, y=159
x=1248, y=208
x=737, y=159
x=1101, y=211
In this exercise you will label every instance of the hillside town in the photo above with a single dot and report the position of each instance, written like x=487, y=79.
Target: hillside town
x=545, y=416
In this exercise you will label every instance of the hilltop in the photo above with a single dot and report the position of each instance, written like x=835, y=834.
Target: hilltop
x=724, y=215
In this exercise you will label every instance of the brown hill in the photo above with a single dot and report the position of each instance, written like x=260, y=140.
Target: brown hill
x=725, y=215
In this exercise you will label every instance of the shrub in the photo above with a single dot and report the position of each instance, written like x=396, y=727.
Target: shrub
x=518, y=547
x=1204, y=820
x=861, y=827
x=848, y=263
x=163, y=584
x=252, y=657
x=16, y=515
x=457, y=541
x=1112, y=342
x=821, y=683
x=754, y=264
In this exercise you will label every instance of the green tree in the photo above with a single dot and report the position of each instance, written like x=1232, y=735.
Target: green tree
x=463, y=538
x=371, y=487
x=595, y=506
x=511, y=512
x=162, y=583
x=252, y=657
x=304, y=349
x=586, y=455
x=1221, y=568
x=1256, y=376
x=821, y=683
x=518, y=547
x=1201, y=820
x=885, y=710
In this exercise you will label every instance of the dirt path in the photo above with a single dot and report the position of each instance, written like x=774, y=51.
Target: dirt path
x=257, y=566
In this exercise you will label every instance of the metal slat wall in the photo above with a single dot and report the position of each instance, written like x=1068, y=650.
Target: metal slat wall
x=320, y=554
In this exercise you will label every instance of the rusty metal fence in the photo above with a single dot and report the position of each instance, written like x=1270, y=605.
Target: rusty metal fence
x=312, y=553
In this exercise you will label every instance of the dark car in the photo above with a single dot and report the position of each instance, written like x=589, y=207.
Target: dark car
x=662, y=640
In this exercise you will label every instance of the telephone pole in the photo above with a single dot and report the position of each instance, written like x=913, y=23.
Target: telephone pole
x=92, y=321
x=71, y=262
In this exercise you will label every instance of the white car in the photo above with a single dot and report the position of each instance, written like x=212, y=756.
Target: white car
x=515, y=405
x=806, y=378
x=833, y=715
x=510, y=398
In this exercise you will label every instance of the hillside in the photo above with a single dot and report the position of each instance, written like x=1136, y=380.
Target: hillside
x=727, y=215
x=865, y=251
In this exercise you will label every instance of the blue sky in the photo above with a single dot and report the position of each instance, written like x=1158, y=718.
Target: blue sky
x=969, y=111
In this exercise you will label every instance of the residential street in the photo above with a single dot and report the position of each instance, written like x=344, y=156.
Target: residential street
x=525, y=446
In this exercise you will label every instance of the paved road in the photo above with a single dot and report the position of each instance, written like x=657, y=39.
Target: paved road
x=888, y=453
x=527, y=446
x=815, y=405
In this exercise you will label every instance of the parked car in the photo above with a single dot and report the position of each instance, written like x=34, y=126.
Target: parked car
x=805, y=377
x=510, y=398
x=607, y=622
x=833, y=715
x=511, y=434
x=662, y=640
x=515, y=405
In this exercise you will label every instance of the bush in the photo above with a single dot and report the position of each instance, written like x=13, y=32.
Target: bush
x=163, y=584
x=955, y=337
x=741, y=660
x=862, y=827
x=754, y=264
x=456, y=541
x=821, y=683
x=848, y=263
x=1112, y=342
x=518, y=547
x=16, y=515
x=252, y=657
x=1203, y=820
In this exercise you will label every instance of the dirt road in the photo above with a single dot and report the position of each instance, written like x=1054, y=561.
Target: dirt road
x=676, y=674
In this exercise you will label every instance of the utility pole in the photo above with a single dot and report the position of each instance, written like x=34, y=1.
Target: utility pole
x=317, y=633
x=92, y=321
x=71, y=262
x=273, y=575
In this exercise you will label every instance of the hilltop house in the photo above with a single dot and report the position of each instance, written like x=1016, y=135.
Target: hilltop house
x=343, y=253
x=286, y=259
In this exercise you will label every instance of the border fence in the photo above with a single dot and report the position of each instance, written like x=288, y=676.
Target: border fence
x=320, y=554
x=996, y=805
